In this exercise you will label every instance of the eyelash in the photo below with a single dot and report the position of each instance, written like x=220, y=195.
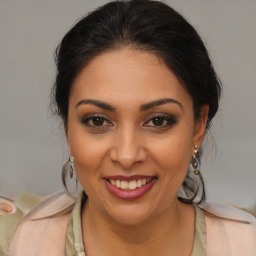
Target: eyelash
x=169, y=119
x=89, y=118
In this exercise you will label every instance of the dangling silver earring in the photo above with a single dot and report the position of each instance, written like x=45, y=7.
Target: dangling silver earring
x=68, y=167
x=71, y=169
x=194, y=161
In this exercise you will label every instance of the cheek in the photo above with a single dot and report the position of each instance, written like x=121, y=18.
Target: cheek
x=172, y=163
x=87, y=161
x=88, y=154
x=173, y=154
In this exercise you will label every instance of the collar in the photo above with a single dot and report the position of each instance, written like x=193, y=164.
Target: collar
x=226, y=211
x=62, y=203
x=54, y=205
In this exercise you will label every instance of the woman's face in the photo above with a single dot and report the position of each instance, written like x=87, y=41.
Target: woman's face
x=131, y=122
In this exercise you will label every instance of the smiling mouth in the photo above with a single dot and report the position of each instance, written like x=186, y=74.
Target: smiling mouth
x=129, y=188
x=130, y=185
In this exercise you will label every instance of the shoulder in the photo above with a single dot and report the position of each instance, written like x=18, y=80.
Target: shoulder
x=10, y=215
x=24, y=211
x=230, y=230
x=38, y=230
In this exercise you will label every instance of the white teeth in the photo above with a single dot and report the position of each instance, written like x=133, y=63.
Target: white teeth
x=124, y=184
x=113, y=182
x=118, y=183
x=130, y=185
x=139, y=183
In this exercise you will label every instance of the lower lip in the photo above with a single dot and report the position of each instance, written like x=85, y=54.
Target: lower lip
x=130, y=194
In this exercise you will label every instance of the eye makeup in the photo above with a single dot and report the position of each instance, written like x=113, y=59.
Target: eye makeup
x=154, y=121
x=161, y=120
x=96, y=121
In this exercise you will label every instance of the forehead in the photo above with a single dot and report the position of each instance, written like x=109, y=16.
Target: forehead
x=127, y=75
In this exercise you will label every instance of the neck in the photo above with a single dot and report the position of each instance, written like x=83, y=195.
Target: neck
x=158, y=236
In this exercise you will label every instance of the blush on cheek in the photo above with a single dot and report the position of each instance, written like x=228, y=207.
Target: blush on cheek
x=176, y=162
x=86, y=158
x=82, y=147
x=85, y=162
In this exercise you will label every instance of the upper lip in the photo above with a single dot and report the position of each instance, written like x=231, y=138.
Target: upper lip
x=130, y=178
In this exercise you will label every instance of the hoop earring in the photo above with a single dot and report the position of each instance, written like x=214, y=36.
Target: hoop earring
x=194, y=162
x=71, y=169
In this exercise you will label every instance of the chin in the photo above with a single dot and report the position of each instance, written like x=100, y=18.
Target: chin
x=128, y=218
x=130, y=214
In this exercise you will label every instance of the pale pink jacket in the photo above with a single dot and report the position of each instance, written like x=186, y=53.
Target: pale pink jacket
x=229, y=231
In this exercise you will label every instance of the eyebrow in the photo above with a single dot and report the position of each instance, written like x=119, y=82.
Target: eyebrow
x=96, y=103
x=143, y=107
x=157, y=103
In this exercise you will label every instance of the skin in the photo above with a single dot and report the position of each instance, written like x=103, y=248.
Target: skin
x=4, y=207
x=127, y=143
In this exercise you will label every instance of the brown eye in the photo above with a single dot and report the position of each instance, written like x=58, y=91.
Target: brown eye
x=158, y=121
x=161, y=121
x=97, y=121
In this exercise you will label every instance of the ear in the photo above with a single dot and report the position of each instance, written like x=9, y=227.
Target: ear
x=200, y=125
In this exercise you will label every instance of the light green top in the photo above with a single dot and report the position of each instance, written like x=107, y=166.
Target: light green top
x=74, y=240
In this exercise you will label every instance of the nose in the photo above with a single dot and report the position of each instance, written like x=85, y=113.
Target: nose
x=128, y=148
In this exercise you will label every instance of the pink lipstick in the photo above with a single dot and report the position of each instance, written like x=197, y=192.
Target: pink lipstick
x=131, y=187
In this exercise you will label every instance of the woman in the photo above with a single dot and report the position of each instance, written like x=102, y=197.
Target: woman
x=137, y=92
